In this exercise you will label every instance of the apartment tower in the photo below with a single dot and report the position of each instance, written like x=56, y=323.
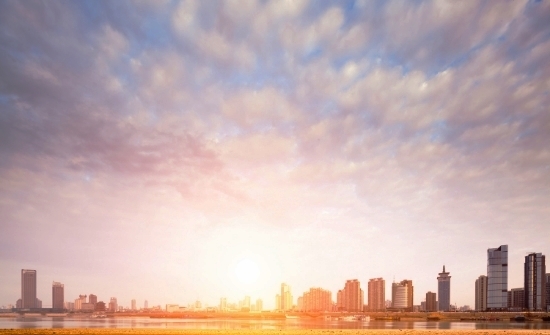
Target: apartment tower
x=534, y=282
x=28, y=288
x=497, y=278
x=377, y=294
x=58, y=296
x=402, y=295
x=444, y=290
x=481, y=293
x=286, y=297
x=431, y=302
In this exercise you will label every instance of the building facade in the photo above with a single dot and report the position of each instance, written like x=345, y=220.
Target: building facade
x=481, y=293
x=444, y=290
x=316, y=300
x=431, y=302
x=548, y=292
x=28, y=288
x=351, y=298
x=286, y=297
x=402, y=295
x=497, y=278
x=376, y=294
x=534, y=283
x=58, y=295
x=516, y=299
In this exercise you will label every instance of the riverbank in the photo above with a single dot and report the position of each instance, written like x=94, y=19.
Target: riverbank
x=104, y=331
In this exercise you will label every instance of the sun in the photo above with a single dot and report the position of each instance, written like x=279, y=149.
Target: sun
x=247, y=271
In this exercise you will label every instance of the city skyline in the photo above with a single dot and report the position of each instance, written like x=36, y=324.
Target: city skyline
x=191, y=150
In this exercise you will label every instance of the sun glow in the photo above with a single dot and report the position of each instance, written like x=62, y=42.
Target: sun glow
x=247, y=271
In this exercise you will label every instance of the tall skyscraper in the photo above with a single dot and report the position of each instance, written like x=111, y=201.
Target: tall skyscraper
x=444, y=290
x=259, y=305
x=431, y=305
x=134, y=305
x=534, y=283
x=377, y=294
x=481, y=293
x=58, y=295
x=497, y=278
x=223, y=304
x=286, y=297
x=402, y=295
x=28, y=288
x=113, y=305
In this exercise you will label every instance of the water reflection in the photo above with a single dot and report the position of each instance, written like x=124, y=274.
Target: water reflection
x=145, y=322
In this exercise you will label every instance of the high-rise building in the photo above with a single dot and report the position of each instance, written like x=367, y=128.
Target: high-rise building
x=534, y=282
x=402, y=295
x=444, y=290
x=286, y=297
x=431, y=299
x=497, y=278
x=92, y=299
x=28, y=288
x=146, y=305
x=377, y=294
x=259, y=305
x=278, y=302
x=548, y=292
x=316, y=300
x=113, y=306
x=481, y=293
x=134, y=305
x=351, y=297
x=223, y=304
x=58, y=295
x=516, y=299
x=80, y=301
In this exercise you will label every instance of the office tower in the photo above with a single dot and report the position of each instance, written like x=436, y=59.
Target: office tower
x=113, y=306
x=444, y=290
x=516, y=298
x=92, y=299
x=58, y=295
x=316, y=300
x=286, y=297
x=431, y=302
x=377, y=294
x=497, y=278
x=146, y=305
x=402, y=295
x=534, y=282
x=134, y=306
x=223, y=304
x=481, y=293
x=259, y=305
x=28, y=288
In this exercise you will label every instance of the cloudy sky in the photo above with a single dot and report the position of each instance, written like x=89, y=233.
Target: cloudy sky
x=146, y=148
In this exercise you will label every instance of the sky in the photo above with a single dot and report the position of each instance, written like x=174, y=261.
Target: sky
x=147, y=148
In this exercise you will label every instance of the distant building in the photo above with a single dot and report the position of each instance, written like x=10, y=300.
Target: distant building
x=286, y=297
x=259, y=305
x=172, y=308
x=28, y=288
x=481, y=293
x=516, y=299
x=351, y=297
x=497, y=278
x=431, y=302
x=402, y=295
x=113, y=305
x=134, y=305
x=223, y=304
x=535, y=282
x=316, y=300
x=92, y=299
x=78, y=302
x=376, y=295
x=548, y=292
x=58, y=295
x=38, y=303
x=69, y=306
x=444, y=290
x=278, y=302
x=100, y=306
x=145, y=305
